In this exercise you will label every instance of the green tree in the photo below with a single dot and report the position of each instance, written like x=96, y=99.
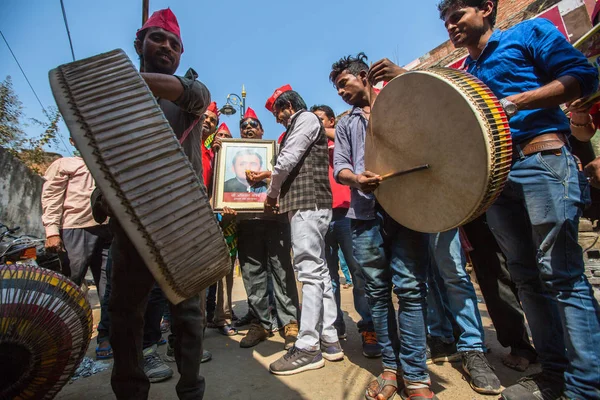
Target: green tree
x=30, y=150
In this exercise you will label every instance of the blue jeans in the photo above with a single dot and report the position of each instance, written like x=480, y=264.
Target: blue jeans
x=535, y=221
x=339, y=236
x=344, y=266
x=393, y=257
x=451, y=292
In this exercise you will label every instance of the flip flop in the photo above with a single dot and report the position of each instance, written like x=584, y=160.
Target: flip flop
x=227, y=330
x=382, y=383
x=107, y=350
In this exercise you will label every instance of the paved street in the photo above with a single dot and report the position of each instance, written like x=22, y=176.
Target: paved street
x=240, y=374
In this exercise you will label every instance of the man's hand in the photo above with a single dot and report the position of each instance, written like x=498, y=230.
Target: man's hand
x=253, y=177
x=54, y=244
x=228, y=211
x=271, y=206
x=368, y=181
x=384, y=70
x=217, y=144
x=592, y=171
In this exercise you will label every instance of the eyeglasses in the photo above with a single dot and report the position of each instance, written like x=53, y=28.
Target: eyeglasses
x=252, y=123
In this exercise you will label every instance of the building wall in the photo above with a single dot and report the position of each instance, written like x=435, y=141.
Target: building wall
x=20, y=196
x=573, y=14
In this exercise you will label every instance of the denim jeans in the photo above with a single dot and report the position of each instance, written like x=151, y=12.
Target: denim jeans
x=393, y=257
x=451, y=291
x=339, y=237
x=535, y=221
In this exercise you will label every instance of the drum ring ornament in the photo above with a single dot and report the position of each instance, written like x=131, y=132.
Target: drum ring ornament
x=45, y=329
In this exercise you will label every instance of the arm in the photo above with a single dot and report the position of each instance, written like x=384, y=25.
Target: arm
x=188, y=93
x=305, y=133
x=569, y=72
x=53, y=197
x=583, y=124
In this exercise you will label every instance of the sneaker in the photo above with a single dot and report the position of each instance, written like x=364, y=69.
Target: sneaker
x=483, y=379
x=297, y=360
x=245, y=320
x=165, y=326
x=275, y=323
x=341, y=330
x=332, y=351
x=290, y=334
x=154, y=368
x=438, y=351
x=206, y=356
x=535, y=387
x=255, y=335
x=369, y=344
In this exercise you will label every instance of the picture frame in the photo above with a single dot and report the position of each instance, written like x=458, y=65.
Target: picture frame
x=230, y=188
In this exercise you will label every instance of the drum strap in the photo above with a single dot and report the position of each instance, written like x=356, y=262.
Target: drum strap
x=188, y=130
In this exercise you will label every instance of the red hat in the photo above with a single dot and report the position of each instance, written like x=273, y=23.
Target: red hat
x=164, y=19
x=276, y=94
x=223, y=128
x=250, y=114
x=212, y=107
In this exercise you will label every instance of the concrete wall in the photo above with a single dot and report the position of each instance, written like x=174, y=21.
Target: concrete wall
x=20, y=196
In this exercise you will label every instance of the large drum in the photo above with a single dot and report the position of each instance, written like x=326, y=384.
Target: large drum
x=450, y=121
x=45, y=330
x=137, y=162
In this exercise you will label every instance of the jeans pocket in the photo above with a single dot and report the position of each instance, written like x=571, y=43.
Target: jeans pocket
x=556, y=164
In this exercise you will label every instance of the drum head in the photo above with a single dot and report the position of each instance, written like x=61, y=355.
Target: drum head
x=420, y=118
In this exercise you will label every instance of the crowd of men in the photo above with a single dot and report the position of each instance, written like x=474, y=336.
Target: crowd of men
x=320, y=205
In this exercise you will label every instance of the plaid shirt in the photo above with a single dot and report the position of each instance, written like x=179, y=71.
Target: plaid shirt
x=307, y=185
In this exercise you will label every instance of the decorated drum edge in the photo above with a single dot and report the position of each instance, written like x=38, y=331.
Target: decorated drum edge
x=102, y=181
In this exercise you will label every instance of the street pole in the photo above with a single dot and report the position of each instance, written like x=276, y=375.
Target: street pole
x=145, y=7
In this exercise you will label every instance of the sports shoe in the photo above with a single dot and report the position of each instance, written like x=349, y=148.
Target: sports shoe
x=483, y=379
x=154, y=368
x=369, y=345
x=297, y=360
x=255, y=335
x=245, y=320
x=332, y=351
x=438, y=351
x=290, y=334
x=206, y=356
x=535, y=387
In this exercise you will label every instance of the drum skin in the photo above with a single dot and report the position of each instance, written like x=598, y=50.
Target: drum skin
x=450, y=120
x=45, y=330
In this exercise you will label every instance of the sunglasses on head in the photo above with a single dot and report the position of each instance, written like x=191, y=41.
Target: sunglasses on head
x=251, y=122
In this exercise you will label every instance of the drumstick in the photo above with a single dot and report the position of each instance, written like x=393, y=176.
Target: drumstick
x=404, y=172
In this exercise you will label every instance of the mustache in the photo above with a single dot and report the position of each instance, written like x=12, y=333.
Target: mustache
x=166, y=54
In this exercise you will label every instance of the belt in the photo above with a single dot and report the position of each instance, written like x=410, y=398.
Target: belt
x=547, y=141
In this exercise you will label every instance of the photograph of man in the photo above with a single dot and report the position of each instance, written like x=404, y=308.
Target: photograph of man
x=247, y=159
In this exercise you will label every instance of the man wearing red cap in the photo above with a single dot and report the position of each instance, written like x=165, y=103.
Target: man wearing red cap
x=300, y=181
x=183, y=101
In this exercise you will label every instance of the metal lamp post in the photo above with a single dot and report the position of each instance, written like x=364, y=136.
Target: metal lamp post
x=233, y=101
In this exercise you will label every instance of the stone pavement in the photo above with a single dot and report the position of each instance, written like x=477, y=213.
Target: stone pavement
x=242, y=374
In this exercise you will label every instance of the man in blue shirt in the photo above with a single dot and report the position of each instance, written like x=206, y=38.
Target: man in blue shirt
x=533, y=69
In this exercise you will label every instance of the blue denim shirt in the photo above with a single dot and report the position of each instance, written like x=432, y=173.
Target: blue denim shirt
x=349, y=153
x=528, y=56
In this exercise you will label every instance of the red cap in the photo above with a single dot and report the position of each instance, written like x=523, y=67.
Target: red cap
x=212, y=107
x=164, y=19
x=276, y=94
x=250, y=114
x=223, y=128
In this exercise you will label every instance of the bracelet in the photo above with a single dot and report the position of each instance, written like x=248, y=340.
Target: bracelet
x=589, y=123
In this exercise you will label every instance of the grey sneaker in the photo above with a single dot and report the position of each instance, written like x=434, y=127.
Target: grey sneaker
x=332, y=351
x=297, y=360
x=154, y=368
x=206, y=356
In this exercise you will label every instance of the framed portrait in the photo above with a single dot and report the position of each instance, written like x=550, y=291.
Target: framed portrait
x=230, y=187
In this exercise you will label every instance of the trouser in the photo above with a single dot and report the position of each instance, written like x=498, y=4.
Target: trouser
x=535, y=221
x=223, y=305
x=264, y=246
x=393, y=257
x=498, y=290
x=86, y=247
x=319, y=309
x=339, y=238
x=154, y=310
x=131, y=284
x=451, y=291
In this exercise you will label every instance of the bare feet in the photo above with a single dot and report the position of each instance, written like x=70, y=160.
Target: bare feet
x=515, y=362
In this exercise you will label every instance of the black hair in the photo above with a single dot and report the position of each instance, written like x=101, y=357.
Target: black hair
x=326, y=109
x=446, y=5
x=291, y=97
x=257, y=120
x=354, y=65
x=247, y=152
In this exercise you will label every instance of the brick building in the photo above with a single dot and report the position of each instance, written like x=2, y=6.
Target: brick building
x=571, y=17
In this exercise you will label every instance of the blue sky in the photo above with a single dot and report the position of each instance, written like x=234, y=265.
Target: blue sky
x=261, y=44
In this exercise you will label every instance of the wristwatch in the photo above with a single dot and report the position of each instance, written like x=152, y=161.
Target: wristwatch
x=510, y=108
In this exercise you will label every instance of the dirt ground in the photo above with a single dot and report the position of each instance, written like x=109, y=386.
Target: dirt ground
x=242, y=374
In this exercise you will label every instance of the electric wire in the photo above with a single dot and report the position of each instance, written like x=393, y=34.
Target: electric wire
x=62, y=5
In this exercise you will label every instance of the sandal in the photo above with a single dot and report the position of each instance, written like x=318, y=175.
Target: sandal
x=378, y=386
x=418, y=396
x=227, y=330
x=104, y=353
